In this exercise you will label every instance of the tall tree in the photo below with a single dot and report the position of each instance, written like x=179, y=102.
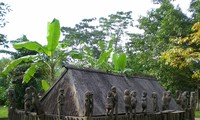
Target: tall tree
x=186, y=54
x=4, y=9
x=116, y=25
x=195, y=10
x=159, y=26
x=89, y=32
x=83, y=34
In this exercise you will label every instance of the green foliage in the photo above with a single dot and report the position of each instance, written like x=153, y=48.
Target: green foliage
x=3, y=95
x=45, y=85
x=53, y=35
x=4, y=112
x=42, y=51
x=86, y=35
x=32, y=45
x=116, y=25
x=195, y=10
x=16, y=62
x=186, y=54
x=197, y=114
x=83, y=34
x=160, y=25
x=119, y=62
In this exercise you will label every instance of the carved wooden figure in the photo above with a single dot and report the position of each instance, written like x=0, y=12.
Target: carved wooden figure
x=60, y=102
x=88, y=104
x=27, y=100
x=144, y=102
x=155, y=102
x=12, y=103
x=127, y=102
x=115, y=100
x=178, y=97
x=185, y=100
x=134, y=101
x=168, y=97
x=192, y=100
x=109, y=104
x=192, y=104
x=36, y=104
x=164, y=101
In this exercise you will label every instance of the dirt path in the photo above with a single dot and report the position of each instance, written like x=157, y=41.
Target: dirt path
x=197, y=118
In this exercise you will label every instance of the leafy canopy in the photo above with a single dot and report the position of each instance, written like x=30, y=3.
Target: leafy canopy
x=187, y=52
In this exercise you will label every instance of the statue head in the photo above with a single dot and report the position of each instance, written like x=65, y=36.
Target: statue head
x=144, y=94
x=133, y=93
x=28, y=90
x=192, y=94
x=61, y=91
x=113, y=89
x=126, y=92
x=154, y=95
x=109, y=94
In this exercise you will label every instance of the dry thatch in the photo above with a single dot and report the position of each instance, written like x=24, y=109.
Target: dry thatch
x=76, y=82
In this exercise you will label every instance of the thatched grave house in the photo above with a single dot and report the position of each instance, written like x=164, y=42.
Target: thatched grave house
x=76, y=82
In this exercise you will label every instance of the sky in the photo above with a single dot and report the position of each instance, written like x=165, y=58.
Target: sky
x=30, y=17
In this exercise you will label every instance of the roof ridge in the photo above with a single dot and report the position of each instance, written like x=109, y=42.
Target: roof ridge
x=103, y=72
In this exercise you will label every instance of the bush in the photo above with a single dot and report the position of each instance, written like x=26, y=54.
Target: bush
x=3, y=95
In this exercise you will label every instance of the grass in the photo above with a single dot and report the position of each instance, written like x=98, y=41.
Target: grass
x=3, y=112
x=197, y=114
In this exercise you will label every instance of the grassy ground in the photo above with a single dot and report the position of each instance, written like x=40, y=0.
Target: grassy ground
x=3, y=112
x=197, y=114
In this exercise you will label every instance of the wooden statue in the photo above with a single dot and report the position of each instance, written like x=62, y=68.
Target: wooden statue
x=144, y=102
x=28, y=100
x=60, y=102
x=133, y=101
x=185, y=100
x=168, y=97
x=164, y=101
x=89, y=104
x=155, y=102
x=178, y=97
x=12, y=103
x=115, y=100
x=127, y=101
x=109, y=104
x=192, y=100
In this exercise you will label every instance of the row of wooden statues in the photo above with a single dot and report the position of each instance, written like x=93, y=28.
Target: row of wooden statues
x=186, y=101
x=31, y=102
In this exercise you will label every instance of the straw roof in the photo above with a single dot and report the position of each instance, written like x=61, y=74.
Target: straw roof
x=76, y=82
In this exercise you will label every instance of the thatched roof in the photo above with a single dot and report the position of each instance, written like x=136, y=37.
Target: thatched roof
x=76, y=82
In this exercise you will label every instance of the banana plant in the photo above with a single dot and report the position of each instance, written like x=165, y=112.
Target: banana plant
x=103, y=61
x=119, y=62
x=38, y=59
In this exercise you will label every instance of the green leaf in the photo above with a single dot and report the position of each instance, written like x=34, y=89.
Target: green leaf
x=53, y=35
x=75, y=54
x=102, y=45
x=14, y=63
x=90, y=59
x=121, y=62
x=104, y=56
x=111, y=42
x=45, y=85
x=31, y=46
x=114, y=60
x=30, y=72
